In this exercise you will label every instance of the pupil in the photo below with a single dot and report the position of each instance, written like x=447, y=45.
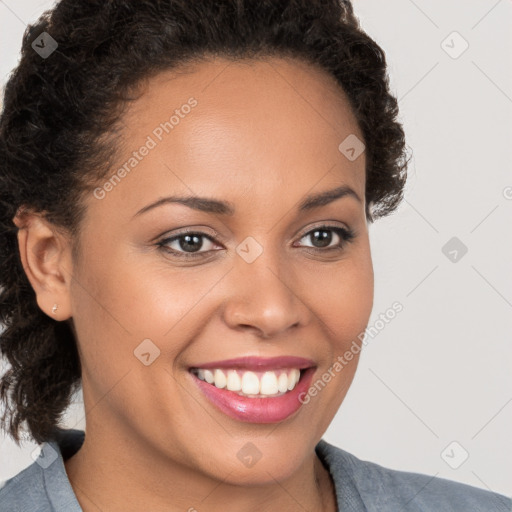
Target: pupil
x=325, y=237
x=191, y=242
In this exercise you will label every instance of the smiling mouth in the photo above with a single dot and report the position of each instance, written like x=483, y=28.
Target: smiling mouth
x=251, y=384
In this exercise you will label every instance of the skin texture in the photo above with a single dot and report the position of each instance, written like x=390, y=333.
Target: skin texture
x=263, y=136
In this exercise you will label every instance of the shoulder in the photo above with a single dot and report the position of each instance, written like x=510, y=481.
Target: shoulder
x=43, y=486
x=384, y=489
x=21, y=492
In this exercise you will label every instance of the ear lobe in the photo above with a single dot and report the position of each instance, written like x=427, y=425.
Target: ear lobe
x=45, y=258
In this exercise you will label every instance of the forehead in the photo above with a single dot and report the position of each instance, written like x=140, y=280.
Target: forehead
x=269, y=90
x=263, y=125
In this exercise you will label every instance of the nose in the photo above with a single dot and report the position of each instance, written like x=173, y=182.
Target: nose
x=264, y=297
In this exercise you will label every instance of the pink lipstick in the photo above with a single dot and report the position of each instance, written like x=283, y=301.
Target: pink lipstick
x=246, y=376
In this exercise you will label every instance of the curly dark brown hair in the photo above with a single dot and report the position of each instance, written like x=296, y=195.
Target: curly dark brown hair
x=58, y=130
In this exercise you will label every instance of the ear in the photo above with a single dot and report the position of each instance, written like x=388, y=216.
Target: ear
x=46, y=258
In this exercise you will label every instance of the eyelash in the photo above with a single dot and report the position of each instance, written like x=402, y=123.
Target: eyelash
x=346, y=236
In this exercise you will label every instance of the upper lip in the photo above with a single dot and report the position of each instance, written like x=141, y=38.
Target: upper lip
x=260, y=363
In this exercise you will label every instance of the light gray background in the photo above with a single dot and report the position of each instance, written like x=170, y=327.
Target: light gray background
x=440, y=371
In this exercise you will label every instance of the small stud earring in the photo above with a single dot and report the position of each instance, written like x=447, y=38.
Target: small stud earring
x=54, y=309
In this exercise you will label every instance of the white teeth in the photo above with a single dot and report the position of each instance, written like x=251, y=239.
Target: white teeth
x=268, y=385
x=293, y=378
x=252, y=384
x=234, y=382
x=220, y=379
x=282, y=383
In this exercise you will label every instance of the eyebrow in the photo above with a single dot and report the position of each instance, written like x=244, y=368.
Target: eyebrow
x=210, y=205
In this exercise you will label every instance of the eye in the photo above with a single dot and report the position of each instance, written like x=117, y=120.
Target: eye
x=187, y=245
x=322, y=236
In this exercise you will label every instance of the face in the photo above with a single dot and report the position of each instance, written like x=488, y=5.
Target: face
x=160, y=289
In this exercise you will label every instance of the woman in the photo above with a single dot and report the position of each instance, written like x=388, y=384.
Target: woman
x=186, y=190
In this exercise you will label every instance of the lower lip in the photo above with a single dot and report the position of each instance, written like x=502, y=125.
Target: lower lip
x=257, y=410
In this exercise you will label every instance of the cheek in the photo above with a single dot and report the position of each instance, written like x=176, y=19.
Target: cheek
x=342, y=299
x=342, y=302
x=128, y=297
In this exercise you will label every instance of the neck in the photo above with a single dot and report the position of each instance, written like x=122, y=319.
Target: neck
x=118, y=474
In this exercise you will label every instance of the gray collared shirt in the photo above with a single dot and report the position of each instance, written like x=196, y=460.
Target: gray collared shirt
x=361, y=486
